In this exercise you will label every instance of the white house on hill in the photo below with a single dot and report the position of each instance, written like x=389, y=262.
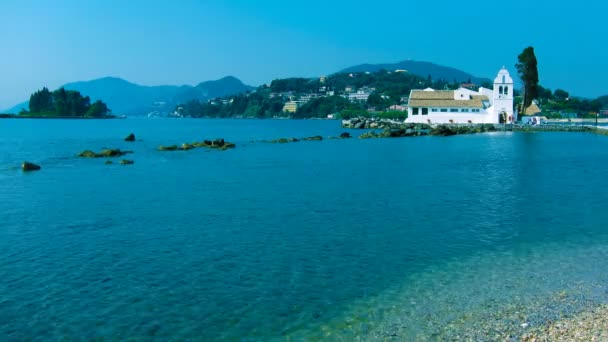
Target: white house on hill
x=464, y=105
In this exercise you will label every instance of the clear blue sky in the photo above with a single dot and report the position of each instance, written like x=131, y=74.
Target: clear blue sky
x=50, y=43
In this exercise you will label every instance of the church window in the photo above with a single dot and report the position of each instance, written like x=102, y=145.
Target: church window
x=415, y=111
x=433, y=109
x=425, y=111
x=443, y=110
x=500, y=90
x=503, y=79
x=506, y=90
x=453, y=110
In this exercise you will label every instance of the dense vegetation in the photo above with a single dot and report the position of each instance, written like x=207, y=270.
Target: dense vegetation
x=330, y=96
x=267, y=101
x=64, y=103
x=554, y=102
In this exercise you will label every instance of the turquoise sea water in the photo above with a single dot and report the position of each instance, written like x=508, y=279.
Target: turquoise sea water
x=413, y=238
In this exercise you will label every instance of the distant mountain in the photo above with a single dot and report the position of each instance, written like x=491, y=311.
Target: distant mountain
x=126, y=98
x=422, y=69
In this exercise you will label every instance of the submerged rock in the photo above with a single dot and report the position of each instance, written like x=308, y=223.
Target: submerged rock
x=345, y=135
x=205, y=143
x=108, y=162
x=284, y=140
x=219, y=144
x=369, y=135
x=130, y=137
x=27, y=166
x=87, y=154
x=186, y=147
x=316, y=137
x=167, y=148
x=126, y=162
x=110, y=152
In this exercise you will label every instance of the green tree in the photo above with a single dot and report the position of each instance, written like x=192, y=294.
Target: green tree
x=561, y=94
x=376, y=100
x=527, y=67
x=97, y=110
x=544, y=93
x=60, y=99
x=41, y=101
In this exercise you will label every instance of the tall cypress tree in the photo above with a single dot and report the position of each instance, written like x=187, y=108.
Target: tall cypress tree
x=528, y=72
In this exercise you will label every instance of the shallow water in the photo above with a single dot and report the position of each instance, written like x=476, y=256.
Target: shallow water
x=339, y=239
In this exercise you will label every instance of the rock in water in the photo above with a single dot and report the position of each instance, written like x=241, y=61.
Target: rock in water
x=368, y=135
x=126, y=162
x=112, y=152
x=87, y=154
x=284, y=140
x=167, y=148
x=396, y=132
x=345, y=135
x=27, y=166
x=316, y=137
x=130, y=137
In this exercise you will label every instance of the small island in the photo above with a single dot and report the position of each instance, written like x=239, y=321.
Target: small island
x=64, y=104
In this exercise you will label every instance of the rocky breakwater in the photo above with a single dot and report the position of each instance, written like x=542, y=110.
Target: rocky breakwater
x=456, y=129
x=415, y=130
x=370, y=123
x=394, y=133
x=344, y=135
x=376, y=123
x=557, y=128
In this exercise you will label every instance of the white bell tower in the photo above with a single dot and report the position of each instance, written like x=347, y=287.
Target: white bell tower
x=502, y=101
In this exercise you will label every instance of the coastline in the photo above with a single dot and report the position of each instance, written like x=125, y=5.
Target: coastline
x=16, y=116
x=577, y=120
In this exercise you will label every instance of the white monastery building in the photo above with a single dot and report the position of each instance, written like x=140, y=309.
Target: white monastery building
x=464, y=105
